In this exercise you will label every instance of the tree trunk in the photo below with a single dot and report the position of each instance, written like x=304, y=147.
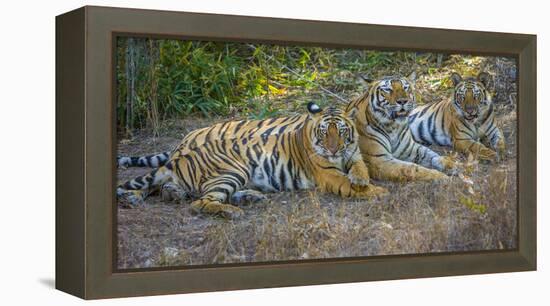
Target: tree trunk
x=153, y=98
x=130, y=84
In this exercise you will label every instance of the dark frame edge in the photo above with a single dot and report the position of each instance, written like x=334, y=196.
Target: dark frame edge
x=86, y=91
x=70, y=225
x=527, y=159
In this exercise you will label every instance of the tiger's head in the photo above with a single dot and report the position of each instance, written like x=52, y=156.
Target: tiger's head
x=471, y=98
x=389, y=101
x=332, y=132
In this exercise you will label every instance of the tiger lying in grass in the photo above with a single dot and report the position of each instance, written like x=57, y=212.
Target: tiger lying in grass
x=462, y=122
x=385, y=139
x=380, y=116
x=322, y=150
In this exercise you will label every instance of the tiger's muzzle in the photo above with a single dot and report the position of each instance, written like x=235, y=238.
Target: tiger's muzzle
x=471, y=113
x=402, y=109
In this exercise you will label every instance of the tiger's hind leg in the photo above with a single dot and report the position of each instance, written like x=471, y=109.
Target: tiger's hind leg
x=215, y=194
x=133, y=192
x=247, y=196
x=131, y=198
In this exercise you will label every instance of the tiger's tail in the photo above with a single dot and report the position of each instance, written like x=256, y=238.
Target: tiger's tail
x=151, y=161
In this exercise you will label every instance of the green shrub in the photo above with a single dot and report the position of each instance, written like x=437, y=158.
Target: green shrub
x=173, y=79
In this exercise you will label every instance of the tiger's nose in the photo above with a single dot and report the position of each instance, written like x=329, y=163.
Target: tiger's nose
x=402, y=101
x=333, y=149
x=471, y=110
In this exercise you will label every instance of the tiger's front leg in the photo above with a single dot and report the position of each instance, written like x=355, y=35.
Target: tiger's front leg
x=392, y=169
x=477, y=149
x=496, y=141
x=358, y=173
x=424, y=156
x=384, y=166
x=492, y=135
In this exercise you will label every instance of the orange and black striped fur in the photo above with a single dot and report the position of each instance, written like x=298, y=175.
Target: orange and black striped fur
x=463, y=122
x=321, y=151
x=225, y=130
x=385, y=139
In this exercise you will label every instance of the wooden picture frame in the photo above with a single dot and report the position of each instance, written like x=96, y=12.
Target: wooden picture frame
x=86, y=147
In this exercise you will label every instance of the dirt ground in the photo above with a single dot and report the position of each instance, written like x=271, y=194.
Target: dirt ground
x=415, y=218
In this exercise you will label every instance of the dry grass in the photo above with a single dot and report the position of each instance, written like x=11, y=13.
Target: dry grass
x=415, y=218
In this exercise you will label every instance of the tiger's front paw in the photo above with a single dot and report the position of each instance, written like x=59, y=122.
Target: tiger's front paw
x=487, y=155
x=369, y=191
x=449, y=165
x=207, y=206
x=230, y=212
x=359, y=175
x=247, y=196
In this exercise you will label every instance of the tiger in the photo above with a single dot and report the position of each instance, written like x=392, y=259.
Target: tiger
x=462, y=122
x=321, y=151
x=384, y=140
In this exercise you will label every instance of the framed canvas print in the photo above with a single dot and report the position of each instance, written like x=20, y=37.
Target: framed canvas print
x=200, y=152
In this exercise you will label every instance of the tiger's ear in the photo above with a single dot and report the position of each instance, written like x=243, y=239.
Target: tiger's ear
x=313, y=108
x=365, y=80
x=351, y=113
x=412, y=77
x=484, y=78
x=456, y=78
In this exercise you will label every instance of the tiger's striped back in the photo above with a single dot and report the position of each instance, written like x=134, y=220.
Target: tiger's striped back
x=225, y=130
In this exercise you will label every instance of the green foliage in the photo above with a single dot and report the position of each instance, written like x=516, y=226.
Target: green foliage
x=200, y=79
x=209, y=78
x=173, y=79
x=260, y=110
x=472, y=204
